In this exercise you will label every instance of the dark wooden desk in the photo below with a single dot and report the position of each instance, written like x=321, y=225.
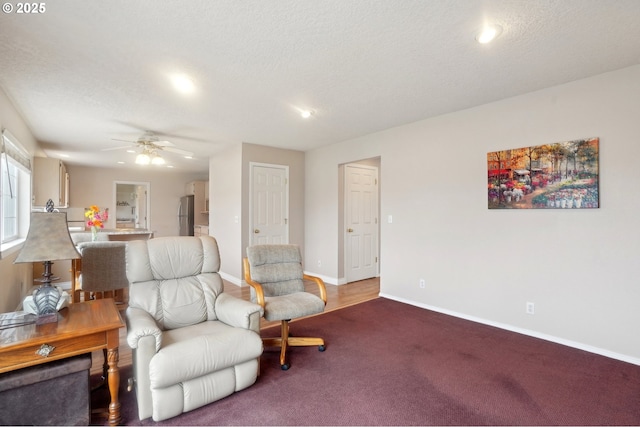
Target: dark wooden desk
x=81, y=328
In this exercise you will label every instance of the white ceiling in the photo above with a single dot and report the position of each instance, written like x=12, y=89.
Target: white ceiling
x=85, y=72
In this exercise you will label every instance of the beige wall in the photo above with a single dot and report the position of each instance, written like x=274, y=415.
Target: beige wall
x=95, y=186
x=15, y=279
x=229, y=199
x=295, y=161
x=579, y=267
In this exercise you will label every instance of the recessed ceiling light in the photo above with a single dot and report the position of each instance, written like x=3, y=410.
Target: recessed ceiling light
x=66, y=156
x=121, y=162
x=188, y=157
x=306, y=114
x=183, y=83
x=489, y=33
x=131, y=151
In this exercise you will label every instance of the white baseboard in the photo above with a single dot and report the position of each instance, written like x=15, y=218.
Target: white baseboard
x=232, y=279
x=551, y=338
x=325, y=279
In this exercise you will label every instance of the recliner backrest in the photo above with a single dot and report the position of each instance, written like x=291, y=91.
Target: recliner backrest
x=175, y=279
x=278, y=268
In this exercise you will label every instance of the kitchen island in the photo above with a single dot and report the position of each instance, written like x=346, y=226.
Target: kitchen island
x=117, y=234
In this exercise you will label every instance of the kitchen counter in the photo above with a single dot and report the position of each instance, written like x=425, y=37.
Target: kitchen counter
x=118, y=234
x=200, y=230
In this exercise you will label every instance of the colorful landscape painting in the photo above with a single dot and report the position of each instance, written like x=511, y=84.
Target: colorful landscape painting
x=561, y=175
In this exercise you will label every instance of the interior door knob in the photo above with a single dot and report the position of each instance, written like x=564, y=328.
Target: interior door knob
x=349, y=230
x=256, y=231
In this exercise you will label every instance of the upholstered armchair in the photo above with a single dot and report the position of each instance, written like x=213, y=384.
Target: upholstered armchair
x=103, y=270
x=276, y=277
x=192, y=344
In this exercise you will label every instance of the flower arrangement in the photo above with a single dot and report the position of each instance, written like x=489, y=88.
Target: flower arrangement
x=96, y=219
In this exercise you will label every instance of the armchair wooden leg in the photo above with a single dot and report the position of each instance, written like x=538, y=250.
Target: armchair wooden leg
x=285, y=341
x=284, y=328
x=306, y=341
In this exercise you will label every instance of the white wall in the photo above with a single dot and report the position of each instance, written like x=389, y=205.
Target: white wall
x=225, y=204
x=579, y=267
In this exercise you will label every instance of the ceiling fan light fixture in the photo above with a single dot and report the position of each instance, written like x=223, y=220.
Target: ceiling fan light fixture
x=143, y=158
x=157, y=160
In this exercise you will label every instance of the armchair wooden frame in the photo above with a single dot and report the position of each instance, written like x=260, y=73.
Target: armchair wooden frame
x=285, y=339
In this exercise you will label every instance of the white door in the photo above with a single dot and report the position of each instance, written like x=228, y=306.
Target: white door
x=269, y=204
x=361, y=222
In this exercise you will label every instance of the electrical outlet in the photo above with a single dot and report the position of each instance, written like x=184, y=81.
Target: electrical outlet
x=421, y=284
x=531, y=308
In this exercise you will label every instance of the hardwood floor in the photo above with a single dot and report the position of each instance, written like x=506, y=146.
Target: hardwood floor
x=337, y=297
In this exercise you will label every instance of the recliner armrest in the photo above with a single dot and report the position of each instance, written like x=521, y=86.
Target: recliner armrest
x=141, y=324
x=238, y=312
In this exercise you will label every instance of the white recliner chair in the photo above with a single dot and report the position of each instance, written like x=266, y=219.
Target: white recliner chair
x=192, y=344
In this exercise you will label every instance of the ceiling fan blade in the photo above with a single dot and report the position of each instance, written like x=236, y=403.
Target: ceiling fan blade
x=123, y=140
x=178, y=151
x=164, y=143
x=117, y=148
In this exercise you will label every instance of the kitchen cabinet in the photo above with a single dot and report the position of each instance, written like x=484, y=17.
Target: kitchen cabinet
x=200, y=202
x=201, y=230
x=194, y=188
x=50, y=181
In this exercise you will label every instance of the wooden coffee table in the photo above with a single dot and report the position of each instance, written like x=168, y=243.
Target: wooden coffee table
x=81, y=328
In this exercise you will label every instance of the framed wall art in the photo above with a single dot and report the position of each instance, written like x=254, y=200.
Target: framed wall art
x=562, y=175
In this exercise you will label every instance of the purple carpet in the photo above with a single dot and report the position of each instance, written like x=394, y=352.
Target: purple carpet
x=389, y=363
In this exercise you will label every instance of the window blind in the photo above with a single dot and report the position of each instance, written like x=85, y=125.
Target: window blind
x=13, y=149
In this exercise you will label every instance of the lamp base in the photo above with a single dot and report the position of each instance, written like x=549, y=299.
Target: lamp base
x=46, y=300
x=46, y=318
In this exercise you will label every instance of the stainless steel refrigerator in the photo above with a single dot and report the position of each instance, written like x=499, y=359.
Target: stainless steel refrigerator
x=185, y=216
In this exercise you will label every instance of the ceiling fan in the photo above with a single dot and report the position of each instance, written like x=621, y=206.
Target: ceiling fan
x=150, y=147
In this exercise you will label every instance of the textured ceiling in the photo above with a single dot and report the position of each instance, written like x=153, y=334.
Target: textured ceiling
x=85, y=72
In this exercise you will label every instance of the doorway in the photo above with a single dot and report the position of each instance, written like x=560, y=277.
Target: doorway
x=360, y=221
x=132, y=204
x=269, y=204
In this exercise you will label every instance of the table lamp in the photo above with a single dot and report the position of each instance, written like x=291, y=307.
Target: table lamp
x=48, y=240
